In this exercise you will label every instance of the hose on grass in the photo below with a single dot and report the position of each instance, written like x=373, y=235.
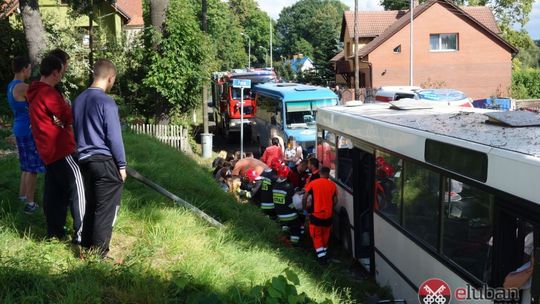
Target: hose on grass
x=136, y=175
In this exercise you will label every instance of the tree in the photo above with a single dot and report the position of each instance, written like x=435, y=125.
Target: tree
x=158, y=13
x=33, y=29
x=254, y=23
x=312, y=25
x=177, y=69
x=224, y=32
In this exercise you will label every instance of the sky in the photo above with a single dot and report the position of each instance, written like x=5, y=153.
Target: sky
x=274, y=7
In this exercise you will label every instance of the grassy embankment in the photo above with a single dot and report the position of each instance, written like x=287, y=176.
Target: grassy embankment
x=170, y=256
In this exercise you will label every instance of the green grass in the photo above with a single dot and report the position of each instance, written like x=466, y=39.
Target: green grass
x=170, y=255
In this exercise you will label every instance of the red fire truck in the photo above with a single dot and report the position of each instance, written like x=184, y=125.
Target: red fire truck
x=226, y=99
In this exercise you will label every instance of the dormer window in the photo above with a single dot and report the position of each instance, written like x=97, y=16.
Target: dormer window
x=397, y=49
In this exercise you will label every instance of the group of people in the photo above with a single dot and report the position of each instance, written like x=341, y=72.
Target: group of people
x=291, y=190
x=77, y=145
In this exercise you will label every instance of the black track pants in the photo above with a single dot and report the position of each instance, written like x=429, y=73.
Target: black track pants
x=64, y=188
x=103, y=186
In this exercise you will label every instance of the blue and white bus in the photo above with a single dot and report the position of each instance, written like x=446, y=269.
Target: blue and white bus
x=438, y=193
x=289, y=109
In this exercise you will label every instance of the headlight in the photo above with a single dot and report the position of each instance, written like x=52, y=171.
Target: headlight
x=233, y=124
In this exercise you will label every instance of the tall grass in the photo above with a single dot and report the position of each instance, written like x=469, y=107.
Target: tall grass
x=168, y=254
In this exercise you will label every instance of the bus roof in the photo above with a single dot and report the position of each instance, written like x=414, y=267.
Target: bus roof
x=294, y=91
x=466, y=124
x=513, y=153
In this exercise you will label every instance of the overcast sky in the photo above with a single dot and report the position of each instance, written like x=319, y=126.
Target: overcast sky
x=274, y=7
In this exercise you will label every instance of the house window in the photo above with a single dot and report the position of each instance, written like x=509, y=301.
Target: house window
x=443, y=42
x=349, y=50
x=397, y=49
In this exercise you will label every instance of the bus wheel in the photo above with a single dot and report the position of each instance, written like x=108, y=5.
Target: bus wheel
x=345, y=234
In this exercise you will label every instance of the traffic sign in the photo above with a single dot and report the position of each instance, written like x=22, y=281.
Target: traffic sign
x=241, y=83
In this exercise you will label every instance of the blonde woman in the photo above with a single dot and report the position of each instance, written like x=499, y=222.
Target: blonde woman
x=293, y=152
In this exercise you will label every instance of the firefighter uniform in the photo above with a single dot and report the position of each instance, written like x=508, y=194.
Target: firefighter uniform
x=268, y=178
x=283, y=192
x=322, y=191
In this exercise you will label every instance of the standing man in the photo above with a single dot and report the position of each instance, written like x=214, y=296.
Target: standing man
x=29, y=159
x=101, y=155
x=272, y=153
x=51, y=120
x=324, y=193
x=313, y=167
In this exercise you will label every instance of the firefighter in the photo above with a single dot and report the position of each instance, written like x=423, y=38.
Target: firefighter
x=252, y=185
x=283, y=192
x=268, y=178
x=324, y=194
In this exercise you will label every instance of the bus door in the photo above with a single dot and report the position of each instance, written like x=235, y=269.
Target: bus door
x=515, y=246
x=363, y=192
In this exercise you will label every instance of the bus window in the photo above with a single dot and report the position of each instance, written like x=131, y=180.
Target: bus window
x=302, y=114
x=467, y=227
x=345, y=159
x=326, y=152
x=388, y=186
x=266, y=108
x=421, y=203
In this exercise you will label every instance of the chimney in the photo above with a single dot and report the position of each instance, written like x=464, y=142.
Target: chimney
x=300, y=55
x=416, y=3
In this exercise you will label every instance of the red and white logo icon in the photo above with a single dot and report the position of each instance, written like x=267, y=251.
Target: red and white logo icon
x=434, y=291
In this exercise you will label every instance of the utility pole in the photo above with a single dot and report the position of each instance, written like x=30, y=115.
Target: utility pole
x=411, y=58
x=356, y=64
x=271, y=30
x=206, y=136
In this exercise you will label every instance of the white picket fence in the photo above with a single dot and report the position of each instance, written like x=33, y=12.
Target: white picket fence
x=172, y=135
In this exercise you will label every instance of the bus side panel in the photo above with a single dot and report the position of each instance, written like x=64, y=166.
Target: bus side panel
x=524, y=184
x=345, y=202
x=411, y=260
x=386, y=276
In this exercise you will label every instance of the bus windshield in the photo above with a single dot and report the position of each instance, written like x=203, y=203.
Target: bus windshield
x=302, y=114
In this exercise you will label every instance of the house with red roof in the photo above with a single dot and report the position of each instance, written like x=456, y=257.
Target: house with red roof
x=453, y=46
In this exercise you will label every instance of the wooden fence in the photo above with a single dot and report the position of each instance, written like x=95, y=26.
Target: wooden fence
x=174, y=136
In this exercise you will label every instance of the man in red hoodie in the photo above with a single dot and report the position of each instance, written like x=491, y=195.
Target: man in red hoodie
x=51, y=121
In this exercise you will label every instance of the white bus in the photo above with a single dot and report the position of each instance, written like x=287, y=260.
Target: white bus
x=434, y=193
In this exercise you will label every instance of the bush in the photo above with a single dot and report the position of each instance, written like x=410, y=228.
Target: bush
x=282, y=289
x=526, y=84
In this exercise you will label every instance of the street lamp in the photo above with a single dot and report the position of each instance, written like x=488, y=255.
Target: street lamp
x=249, y=49
x=265, y=55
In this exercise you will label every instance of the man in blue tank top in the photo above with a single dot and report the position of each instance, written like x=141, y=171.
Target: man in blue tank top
x=29, y=159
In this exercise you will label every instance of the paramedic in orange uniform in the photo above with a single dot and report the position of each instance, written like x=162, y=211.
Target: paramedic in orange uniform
x=324, y=193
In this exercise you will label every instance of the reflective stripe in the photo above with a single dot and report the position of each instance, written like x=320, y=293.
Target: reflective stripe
x=295, y=238
x=280, y=191
x=287, y=217
x=81, y=199
x=267, y=206
x=322, y=254
x=320, y=249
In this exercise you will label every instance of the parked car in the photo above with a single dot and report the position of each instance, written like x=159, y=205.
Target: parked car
x=449, y=96
x=391, y=93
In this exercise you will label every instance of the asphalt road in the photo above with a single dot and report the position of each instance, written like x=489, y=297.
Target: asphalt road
x=233, y=144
